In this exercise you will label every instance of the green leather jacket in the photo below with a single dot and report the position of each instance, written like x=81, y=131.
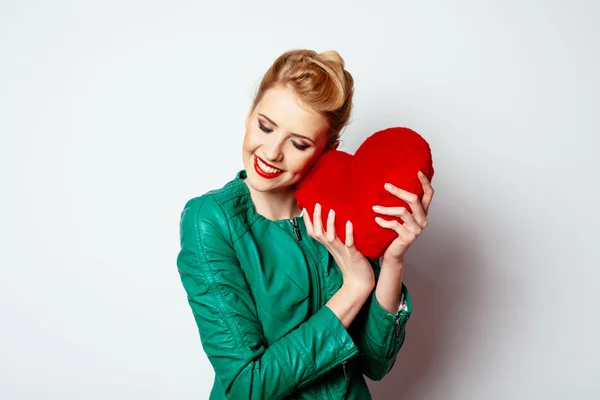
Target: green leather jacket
x=258, y=288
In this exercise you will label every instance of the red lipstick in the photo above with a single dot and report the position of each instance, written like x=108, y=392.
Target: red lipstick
x=262, y=173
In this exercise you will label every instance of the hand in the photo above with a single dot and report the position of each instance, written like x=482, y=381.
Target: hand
x=413, y=223
x=356, y=269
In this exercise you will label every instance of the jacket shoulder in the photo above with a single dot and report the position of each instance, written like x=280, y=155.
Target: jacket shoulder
x=225, y=208
x=200, y=217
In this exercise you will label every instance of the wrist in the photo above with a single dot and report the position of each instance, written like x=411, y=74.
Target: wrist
x=392, y=263
x=346, y=303
x=360, y=289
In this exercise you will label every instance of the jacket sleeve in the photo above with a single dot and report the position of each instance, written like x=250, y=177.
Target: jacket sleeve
x=229, y=329
x=379, y=334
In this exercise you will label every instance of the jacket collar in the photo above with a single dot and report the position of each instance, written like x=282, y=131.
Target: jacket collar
x=243, y=192
x=238, y=181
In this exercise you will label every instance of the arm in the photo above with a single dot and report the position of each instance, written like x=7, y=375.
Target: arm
x=226, y=316
x=382, y=333
x=347, y=302
x=379, y=333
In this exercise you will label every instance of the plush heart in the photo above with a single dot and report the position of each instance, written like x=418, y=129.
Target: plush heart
x=353, y=184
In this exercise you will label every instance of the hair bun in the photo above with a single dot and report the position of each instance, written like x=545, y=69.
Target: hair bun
x=332, y=55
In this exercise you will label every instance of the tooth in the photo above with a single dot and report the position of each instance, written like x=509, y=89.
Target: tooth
x=268, y=169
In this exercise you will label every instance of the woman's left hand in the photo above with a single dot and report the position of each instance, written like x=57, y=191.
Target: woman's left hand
x=413, y=223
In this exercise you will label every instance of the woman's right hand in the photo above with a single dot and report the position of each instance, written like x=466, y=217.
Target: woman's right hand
x=356, y=269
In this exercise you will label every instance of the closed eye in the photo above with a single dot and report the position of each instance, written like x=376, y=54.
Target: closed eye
x=264, y=128
x=299, y=147
x=268, y=130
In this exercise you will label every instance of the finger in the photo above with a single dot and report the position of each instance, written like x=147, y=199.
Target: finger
x=317, y=222
x=405, y=195
x=406, y=234
x=331, y=236
x=410, y=221
x=307, y=223
x=349, y=234
x=415, y=220
x=408, y=218
x=428, y=192
x=413, y=201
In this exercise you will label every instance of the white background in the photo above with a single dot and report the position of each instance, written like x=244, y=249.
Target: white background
x=114, y=113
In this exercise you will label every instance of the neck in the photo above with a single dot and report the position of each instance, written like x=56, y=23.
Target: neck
x=274, y=205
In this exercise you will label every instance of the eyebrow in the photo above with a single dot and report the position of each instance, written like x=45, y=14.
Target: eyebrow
x=294, y=134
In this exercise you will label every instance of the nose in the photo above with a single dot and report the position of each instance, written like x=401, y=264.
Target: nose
x=272, y=149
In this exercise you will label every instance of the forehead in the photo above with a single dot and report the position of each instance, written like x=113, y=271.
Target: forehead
x=282, y=107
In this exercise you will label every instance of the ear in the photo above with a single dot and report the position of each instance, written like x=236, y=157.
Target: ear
x=335, y=145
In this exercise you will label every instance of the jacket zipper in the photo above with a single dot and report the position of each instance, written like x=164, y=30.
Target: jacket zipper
x=296, y=229
x=310, y=263
x=317, y=288
x=396, y=336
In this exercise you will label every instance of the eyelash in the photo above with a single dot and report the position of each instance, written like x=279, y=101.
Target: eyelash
x=267, y=130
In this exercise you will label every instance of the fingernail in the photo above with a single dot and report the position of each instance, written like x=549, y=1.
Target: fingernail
x=388, y=186
x=376, y=208
x=331, y=213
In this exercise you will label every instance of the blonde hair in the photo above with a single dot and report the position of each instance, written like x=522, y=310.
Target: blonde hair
x=320, y=82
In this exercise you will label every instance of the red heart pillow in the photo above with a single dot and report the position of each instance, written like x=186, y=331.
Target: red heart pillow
x=353, y=184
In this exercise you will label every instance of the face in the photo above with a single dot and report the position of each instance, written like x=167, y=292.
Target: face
x=282, y=141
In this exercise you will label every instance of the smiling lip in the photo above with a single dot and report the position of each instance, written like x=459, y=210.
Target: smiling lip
x=262, y=173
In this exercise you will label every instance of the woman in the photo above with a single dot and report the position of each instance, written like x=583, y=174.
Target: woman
x=284, y=308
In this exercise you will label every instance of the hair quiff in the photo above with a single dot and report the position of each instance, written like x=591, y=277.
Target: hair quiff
x=320, y=82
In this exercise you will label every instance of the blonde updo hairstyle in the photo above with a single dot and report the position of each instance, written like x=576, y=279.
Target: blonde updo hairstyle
x=319, y=81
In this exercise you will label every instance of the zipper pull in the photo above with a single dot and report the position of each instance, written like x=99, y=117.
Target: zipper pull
x=397, y=328
x=296, y=229
x=344, y=368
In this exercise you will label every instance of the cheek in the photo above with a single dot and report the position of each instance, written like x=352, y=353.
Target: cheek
x=251, y=139
x=303, y=162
